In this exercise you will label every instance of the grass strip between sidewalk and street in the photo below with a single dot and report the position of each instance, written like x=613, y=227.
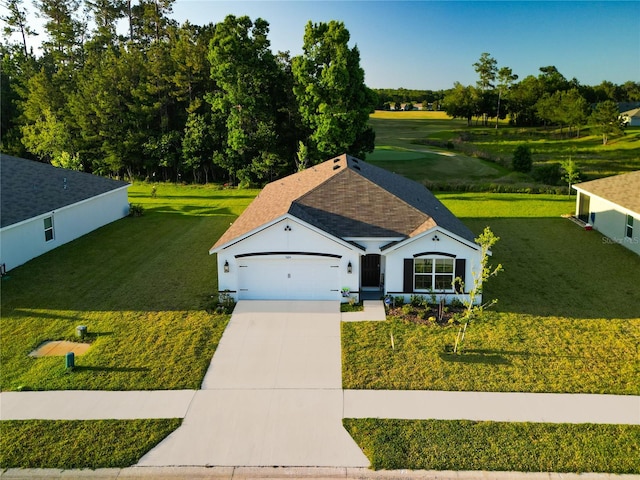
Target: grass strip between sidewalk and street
x=497, y=446
x=73, y=444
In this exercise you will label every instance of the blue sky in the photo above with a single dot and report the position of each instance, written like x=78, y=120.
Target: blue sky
x=432, y=44
x=428, y=44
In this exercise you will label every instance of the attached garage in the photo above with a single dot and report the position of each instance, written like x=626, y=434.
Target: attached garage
x=288, y=277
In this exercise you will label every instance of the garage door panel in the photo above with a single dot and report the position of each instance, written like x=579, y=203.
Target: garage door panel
x=294, y=278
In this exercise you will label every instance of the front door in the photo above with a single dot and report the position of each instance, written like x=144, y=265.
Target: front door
x=371, y=271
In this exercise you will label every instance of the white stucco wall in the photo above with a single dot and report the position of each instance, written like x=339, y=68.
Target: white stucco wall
x=611, y=220
x=446, y=243
x=23, y=241
x=298, y=237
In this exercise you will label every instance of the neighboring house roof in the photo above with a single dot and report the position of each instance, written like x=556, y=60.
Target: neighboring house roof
x=29, y=188
x=349, y=198
x=635, y=113
x=623, y=190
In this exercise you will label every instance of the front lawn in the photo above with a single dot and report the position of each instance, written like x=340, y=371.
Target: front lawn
x=567, y=318
x=72, y=444
x=143, y=287
x=501, y=446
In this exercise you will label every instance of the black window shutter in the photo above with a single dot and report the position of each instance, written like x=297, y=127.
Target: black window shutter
x=461, y=266
x=408, y=275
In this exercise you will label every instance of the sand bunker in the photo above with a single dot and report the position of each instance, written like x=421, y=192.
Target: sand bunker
x=59, y=348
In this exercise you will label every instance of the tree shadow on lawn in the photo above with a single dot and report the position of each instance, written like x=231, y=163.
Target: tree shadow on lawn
x=493, y=356
x=187, y=210
x=554, y=268
x=93, y=368
x=472, y=357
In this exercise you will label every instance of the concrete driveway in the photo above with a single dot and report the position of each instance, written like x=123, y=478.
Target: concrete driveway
x=272, y=395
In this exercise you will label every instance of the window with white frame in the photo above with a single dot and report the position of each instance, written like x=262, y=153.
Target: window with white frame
x=629, y=229
x=433, y=273
x=48, y=229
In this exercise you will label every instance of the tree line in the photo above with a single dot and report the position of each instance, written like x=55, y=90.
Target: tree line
x=177, y=102
x=548, y=99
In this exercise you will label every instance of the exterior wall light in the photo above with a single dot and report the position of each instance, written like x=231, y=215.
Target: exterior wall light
x=226, y=266
x=435, y=238
x=349, y=268
x=287, y=228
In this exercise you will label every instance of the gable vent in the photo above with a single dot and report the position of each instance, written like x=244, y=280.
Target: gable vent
x=354, y=160
x=335, y=167
x=336, y=160
x=356, y=167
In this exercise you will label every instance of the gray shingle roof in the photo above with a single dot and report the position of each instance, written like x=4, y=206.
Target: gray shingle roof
x=623, y=189
x=349, y=198
x=29, y=189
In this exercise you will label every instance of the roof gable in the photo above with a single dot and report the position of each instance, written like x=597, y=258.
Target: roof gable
x=29, y=189
x=623, y=190
x=349, y=198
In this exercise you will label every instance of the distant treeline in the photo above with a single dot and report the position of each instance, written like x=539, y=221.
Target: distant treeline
x=546, y=99
x=397, y=98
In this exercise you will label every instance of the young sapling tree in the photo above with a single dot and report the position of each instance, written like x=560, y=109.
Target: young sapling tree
x=474, y=309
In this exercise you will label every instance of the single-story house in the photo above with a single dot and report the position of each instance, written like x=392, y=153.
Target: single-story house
x=43, y=207
x=611, y=205
x=341, y=228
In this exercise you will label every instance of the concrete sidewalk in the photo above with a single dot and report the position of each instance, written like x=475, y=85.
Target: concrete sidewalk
x=94, y=405
x=402, y=404
x=498, y=407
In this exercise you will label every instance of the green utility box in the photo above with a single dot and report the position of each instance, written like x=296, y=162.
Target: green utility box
x=69, y=360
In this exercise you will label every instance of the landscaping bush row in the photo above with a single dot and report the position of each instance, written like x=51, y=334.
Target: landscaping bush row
x=494, y=187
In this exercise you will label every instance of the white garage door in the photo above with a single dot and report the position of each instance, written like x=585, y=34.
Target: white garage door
x=290, y=277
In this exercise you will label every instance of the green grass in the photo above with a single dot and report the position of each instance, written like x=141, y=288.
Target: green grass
x=398, y=148
x=72, y=444
x=402, y=137
x=141, y=285
x=567, y=318
x=621, y=154
x=500, y=446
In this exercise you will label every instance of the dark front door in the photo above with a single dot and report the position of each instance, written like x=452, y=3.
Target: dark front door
x=371, y=270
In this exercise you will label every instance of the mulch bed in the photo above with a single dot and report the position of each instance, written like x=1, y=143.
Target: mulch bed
x=426, y=315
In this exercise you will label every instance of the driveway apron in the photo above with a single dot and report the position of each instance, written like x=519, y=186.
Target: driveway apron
x=272, y=394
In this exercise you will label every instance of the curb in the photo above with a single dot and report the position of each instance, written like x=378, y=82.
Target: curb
x=247, y=473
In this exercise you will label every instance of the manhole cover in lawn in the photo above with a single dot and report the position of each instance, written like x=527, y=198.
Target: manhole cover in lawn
x=59, y=348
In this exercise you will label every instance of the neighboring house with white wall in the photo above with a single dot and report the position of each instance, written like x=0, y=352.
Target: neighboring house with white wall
x=345, y=226
x=43, y=207
x=611, y=205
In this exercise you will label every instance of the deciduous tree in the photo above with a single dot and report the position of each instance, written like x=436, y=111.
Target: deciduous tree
x=333, y=99
x=245, y=72
x=606, y=119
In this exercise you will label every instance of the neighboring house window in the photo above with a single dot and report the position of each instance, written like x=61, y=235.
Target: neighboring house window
x=48, y=229
x=433, y=273
x=629, y=229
